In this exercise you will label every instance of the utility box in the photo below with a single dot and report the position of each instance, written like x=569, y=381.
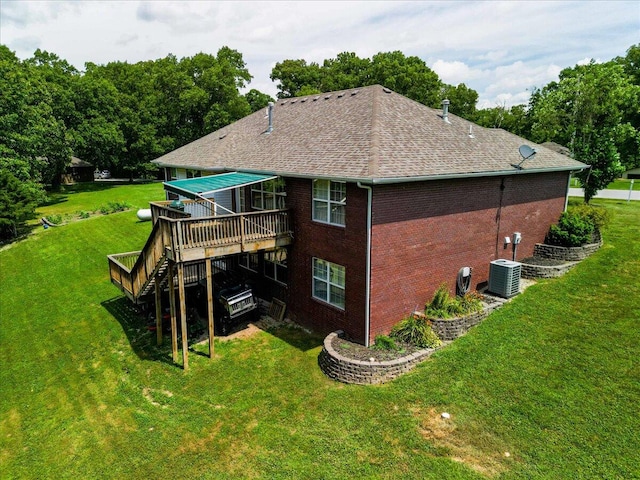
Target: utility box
x=504, y=278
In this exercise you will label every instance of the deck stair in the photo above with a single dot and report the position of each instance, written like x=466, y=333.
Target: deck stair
x=192, y=240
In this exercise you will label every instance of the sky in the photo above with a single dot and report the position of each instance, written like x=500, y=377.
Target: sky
x=501, y=49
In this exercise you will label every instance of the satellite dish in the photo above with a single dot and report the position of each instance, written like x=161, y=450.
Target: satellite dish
x=526, y=152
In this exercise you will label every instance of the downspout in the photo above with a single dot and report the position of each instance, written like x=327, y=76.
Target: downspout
x=566, y=197
x=367, y=309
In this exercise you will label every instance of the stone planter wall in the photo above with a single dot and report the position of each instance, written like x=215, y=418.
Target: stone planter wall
x=452, y=328
x=545, y=271
x=346, y=370
x=568, y=254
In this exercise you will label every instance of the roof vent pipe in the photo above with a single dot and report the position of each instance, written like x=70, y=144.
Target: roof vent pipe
x=270, y=110
x=445, y=110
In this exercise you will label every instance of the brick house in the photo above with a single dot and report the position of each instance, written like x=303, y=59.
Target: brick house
x=387, y=200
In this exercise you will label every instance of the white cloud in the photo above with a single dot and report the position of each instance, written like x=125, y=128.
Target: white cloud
x=457, y=72
x=500, y=49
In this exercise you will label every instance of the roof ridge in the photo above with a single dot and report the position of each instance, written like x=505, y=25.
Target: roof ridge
x=374, y=150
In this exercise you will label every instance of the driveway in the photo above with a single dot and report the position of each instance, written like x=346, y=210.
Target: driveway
x=614, y=194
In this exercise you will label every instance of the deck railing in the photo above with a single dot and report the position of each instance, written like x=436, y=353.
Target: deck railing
x=192, y=209
x=172, y=238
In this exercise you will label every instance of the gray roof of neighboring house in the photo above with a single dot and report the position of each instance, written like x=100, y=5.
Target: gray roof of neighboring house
x=369, y=134
x=77, y=162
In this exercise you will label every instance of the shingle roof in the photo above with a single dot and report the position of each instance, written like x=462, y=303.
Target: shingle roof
x=77, y=162
x=368, y=134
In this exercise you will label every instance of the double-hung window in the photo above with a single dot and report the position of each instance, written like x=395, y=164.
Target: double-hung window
x=269, y=195
x=328, y=282
x=275, y=265
x=329, y=201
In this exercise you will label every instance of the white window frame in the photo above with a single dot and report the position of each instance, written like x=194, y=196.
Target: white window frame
x=325, y=203
x=278, y=259
x=326, y=273
x=263, y=191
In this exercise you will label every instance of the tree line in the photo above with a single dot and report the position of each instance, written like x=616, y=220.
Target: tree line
x=119, y=116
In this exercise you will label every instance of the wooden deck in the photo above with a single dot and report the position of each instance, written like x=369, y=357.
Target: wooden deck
x=184, y=239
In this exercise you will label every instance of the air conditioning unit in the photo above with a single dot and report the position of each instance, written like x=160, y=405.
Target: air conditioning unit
x=504, y=278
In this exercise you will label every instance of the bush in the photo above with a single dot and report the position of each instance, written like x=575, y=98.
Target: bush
x=55, y=219
x=573, y=229
x=383, y=342
x=471, y=302
x=415, y=331
x=442, y=305
x=598, y=216
x=113, y=207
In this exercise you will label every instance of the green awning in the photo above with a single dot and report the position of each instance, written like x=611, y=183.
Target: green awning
x=203, y=186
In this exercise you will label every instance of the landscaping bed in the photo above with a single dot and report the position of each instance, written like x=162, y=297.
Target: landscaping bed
x=349, y=362
x=355, y=351
x=337, y=361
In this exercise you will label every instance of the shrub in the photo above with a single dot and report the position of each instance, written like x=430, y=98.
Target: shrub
x=442, y=305
x=384, y=342
x=83, y=214
x=415, y=331
x=55, y=219
x=471, y=302
x=598, y=216
x=572, y=230
x=113, y=207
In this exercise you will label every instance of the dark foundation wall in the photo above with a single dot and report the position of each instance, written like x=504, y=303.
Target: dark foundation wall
x=423, y=233
x=344, y=246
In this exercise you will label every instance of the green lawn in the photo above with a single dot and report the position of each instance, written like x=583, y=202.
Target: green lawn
x=620, y=184
x=552, y=378
x=91, y=196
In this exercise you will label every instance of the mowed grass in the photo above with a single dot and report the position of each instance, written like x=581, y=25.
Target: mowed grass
x=619, y=184
x=90, y=197
x=547, y=387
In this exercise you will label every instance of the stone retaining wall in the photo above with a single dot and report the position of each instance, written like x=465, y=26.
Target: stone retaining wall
x=568, y=254
x=346, y=370
x=545, y=271
x=450, y=329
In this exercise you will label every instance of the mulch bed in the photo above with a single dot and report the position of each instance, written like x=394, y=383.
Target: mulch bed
x=355, y=351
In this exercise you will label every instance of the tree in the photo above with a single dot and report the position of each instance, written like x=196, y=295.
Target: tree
x=157, y=106
x=584, y=110
x=463, y=100
x=96, y=128
x=18, y=202
x=295, y=74
x=409, y=76
x=32, y=139
x=257, y=99
x=515, y=119
x=629, y=144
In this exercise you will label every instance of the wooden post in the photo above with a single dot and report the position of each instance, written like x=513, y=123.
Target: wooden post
x=210, y=305
x=183, y=317
x=172, y=309
x=158, y=311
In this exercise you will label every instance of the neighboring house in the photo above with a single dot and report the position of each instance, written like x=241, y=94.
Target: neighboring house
x=386, y=199
x=78, y=171
x=633, y=174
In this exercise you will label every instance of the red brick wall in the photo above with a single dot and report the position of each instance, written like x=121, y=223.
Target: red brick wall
x=423, y=233
x=344, y=246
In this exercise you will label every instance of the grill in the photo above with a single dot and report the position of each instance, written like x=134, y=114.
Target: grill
x=236, y=305
x=233, y=306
